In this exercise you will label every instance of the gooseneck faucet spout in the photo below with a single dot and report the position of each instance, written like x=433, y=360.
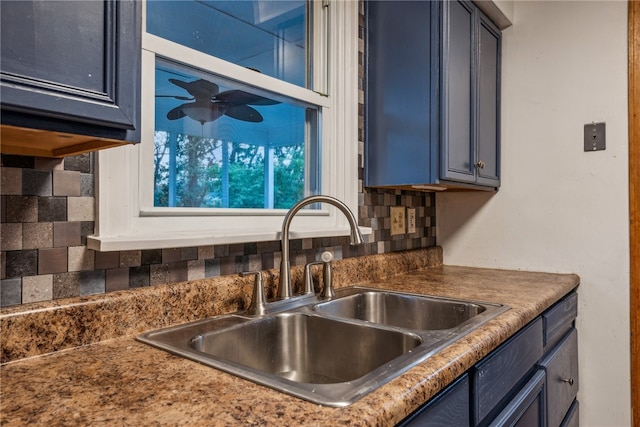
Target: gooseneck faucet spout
x=284, y=288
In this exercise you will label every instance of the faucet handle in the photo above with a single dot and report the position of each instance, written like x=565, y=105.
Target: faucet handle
x=308, y=278
x=258, y=300
x=327, y=275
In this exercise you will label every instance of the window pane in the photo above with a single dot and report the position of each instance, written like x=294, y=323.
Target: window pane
x=268, y=36
x=223, y=145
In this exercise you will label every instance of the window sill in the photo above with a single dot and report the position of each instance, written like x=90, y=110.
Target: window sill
x=178, y=240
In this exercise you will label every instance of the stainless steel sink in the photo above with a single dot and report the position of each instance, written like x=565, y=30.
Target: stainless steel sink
x=333, y=352
x=306, y=348
x=409, y=311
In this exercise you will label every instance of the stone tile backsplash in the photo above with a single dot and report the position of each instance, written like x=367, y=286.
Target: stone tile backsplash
x=48, y=210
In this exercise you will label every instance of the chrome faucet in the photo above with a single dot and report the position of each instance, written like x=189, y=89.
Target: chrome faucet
x=284, y=288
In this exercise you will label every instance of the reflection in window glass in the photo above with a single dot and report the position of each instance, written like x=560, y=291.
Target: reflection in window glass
x=268, y=36
x=218, y=144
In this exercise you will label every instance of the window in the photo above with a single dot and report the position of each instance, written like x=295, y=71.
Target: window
x=243, y=150
x=247, y=107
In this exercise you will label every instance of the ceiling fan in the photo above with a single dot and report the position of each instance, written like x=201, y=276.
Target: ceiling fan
x=207, y=103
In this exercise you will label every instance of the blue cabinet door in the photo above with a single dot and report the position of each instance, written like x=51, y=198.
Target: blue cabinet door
x=72, y=66
x=488, y=104
x=458, y=90
x=402, y=109
x=449, y=408
x=470, y=96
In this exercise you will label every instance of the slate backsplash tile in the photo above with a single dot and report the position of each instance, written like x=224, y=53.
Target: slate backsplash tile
x=116, y=279
x=10, y=292
x=53, y=260
x=87, y=228
x=12, y=161
x=66, y=183
x=81, y=209
x=139, y=276
x=80, y=258
x=66, y=234
x=66, y=285
x=37, y=288
x=82, y=163
x=22, y=263
x=11, y=236
x=130, y=258
x=37, y=235
x=104, y=260
x=151, y=256
x=91, y=282
x=87, y=185
x=44, y=163
x=11, y=182
x=37, y=182
x=21, y=209
x=50, y=209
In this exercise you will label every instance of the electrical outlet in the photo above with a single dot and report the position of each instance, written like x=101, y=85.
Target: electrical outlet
x=397, y=220
x=411, y=220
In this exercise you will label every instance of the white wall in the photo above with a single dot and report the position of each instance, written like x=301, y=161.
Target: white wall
x=561, y=209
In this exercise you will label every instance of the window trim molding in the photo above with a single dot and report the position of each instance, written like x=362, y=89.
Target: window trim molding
x=124, y=220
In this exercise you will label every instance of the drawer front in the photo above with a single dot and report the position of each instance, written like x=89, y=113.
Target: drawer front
x=572, y=419
x=526, y=409
x=496, y=376
x=449, y=408
x=561, y=365
x=559, y=319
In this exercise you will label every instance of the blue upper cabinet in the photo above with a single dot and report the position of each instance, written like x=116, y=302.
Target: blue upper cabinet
x=433, y=82
x=69, y=75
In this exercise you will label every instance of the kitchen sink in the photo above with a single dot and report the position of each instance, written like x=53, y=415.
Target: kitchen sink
x=328, y=352
x=410, y=311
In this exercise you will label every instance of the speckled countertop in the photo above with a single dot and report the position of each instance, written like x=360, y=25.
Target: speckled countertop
x=76, y=362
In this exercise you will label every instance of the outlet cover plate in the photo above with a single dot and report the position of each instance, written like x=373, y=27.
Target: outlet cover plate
x=411, y=220
x=594, y=137
x=397, y=220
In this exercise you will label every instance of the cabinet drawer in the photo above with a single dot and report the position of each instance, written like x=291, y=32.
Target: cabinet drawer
x=449, y=408
x=561, y=365
x=496, y=375
x=526, y=409
x=559, y=319
x=572, y=419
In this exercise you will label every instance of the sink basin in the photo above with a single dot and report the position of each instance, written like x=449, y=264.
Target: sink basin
x=332, y=352
x=402, y=310
x=306, y=348
x=320, y=359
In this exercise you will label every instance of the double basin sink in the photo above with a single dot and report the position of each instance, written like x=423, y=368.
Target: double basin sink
x=328, y=352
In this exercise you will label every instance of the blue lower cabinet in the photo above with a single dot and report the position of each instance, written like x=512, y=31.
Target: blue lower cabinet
x=572, y=419
x=497, y=376
x=449, y=408
x=529, y=381
x=527, y=408
x=561, y=364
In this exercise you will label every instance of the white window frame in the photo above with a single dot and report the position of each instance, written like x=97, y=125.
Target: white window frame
x=126, y=218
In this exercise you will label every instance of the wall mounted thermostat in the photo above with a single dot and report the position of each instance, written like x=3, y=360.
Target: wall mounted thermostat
x=594, y=136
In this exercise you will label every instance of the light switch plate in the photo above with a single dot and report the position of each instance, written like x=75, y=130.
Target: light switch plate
x=594, y=137
x=397, y=220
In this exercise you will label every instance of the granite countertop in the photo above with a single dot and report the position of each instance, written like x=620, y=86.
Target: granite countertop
x=111, y=379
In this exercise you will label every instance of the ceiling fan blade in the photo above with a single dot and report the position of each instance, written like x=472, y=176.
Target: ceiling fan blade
x=242, y=97
x=181, y=98
x=243, y=112
x=201, y=89
x=176, y=113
